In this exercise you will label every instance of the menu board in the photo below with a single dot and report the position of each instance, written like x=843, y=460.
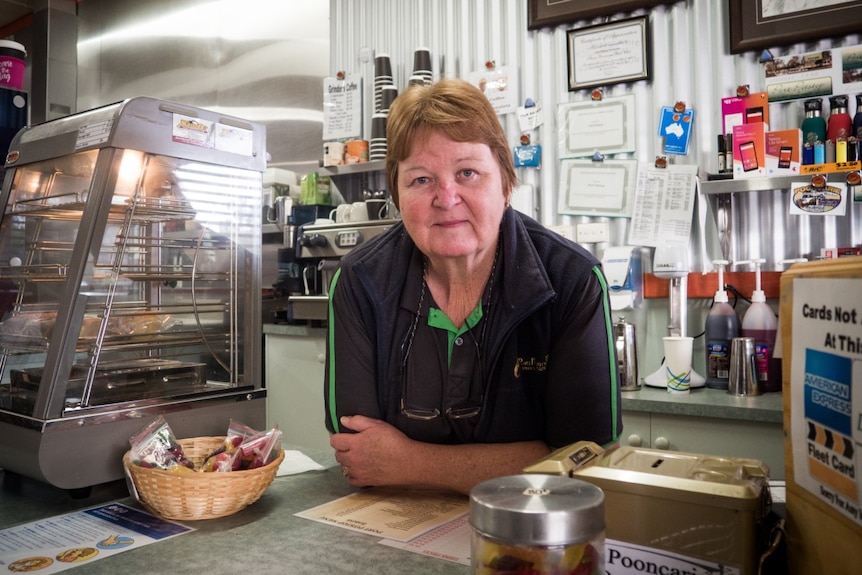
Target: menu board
x=342, y=108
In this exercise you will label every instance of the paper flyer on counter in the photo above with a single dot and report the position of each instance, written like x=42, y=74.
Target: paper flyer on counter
x=826, y=391
x=391, y=513
x=58, y=543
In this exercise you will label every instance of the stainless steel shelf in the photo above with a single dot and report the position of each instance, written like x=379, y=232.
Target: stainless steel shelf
x=352, y=169
x=749, y=184
x=730, y=186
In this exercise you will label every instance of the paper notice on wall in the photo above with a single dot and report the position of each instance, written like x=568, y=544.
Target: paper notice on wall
x=663, y=205
x=342, y=108
x=826, y=391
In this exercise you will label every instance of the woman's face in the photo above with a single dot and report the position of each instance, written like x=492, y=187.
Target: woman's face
x=451, y=197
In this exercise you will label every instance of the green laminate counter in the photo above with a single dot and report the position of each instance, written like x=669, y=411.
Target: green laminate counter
x=705, y=402
x=265, y=537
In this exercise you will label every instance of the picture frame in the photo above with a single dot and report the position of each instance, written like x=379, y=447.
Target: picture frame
x=597, y=188
x=542, y=13
x=625, y=49
x=751, y=28
x=605, y=126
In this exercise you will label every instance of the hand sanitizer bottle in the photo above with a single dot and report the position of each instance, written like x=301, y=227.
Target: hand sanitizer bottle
x=760, y=323
x=722, y=325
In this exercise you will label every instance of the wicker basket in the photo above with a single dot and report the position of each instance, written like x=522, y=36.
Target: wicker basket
x=193, y=496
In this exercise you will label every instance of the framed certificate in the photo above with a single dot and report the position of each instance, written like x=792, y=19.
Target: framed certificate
x=604, y=188
x=606, y=126
x=608, y=53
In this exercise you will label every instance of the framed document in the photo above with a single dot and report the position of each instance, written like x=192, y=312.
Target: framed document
x=543, y=13
x=756, y=25
x=608, y=53
x=604, y=188
x=606, y=126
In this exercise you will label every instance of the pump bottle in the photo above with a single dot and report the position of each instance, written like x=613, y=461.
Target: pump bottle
x=722, y=325
x=760, y=323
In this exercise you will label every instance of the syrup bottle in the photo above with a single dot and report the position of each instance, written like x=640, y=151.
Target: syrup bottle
x=722, y=325
x=760, y=323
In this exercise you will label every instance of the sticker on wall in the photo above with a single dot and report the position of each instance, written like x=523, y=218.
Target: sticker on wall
x=675, y=128
x=815, y=199
x=499, y=85
x=530, y=116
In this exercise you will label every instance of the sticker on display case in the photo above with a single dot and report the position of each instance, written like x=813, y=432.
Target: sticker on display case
x=93, y=134
x=234, y=140
x=194, y=131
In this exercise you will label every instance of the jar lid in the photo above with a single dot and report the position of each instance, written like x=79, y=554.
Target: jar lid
x=534, y=509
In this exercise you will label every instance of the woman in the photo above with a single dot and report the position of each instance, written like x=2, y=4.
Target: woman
x=467, y=341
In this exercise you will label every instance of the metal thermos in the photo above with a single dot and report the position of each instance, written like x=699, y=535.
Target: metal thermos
x=627, y=355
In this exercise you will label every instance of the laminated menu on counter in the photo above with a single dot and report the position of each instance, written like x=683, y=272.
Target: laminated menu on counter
x=397, y=514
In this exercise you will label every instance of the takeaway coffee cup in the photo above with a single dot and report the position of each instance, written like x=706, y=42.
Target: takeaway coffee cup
x=12, y=64
x=677, y=361
x=743, y=378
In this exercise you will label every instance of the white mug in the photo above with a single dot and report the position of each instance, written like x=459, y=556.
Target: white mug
x=341, y=213
x=358, y=212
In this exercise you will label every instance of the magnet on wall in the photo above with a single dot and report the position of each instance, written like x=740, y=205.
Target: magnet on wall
x=528, y=156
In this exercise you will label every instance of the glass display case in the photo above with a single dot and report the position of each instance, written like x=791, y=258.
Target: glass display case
x=129, y=284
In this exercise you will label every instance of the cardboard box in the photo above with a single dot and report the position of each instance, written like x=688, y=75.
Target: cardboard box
x=738, y=111
x=749, y=150
x=783, y=152
x=824, y=528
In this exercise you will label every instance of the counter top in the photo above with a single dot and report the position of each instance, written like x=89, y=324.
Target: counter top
x=290, y=329
x=705, y=402
x=265, y=537
x=701, y=402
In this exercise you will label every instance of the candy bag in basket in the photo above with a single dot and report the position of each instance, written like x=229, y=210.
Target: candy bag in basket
x=156, y=446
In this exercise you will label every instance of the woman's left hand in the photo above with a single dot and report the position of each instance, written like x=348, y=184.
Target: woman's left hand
x=375, y=455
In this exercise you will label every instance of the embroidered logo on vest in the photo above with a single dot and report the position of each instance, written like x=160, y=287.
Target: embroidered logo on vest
x=531, y=364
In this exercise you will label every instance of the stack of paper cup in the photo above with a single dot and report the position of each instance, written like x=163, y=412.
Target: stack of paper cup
x=377, y=144
x=388, y=95
x=421, y=65
x=382, y=78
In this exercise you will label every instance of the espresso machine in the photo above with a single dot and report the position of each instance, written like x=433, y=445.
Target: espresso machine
x=319, y=249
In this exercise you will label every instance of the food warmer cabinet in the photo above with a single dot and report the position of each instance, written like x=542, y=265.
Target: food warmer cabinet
x=130, y=249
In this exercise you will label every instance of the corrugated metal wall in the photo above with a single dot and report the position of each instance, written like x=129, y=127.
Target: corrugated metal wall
x=691, y=63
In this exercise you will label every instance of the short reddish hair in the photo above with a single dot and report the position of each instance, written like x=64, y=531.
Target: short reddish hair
x=455, y=108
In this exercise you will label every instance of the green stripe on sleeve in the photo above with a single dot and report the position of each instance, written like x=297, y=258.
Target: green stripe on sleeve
x=330, y=383
x=609, y=329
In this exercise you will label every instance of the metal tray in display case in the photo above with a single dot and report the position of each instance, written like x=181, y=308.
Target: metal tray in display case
x=130, y=249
